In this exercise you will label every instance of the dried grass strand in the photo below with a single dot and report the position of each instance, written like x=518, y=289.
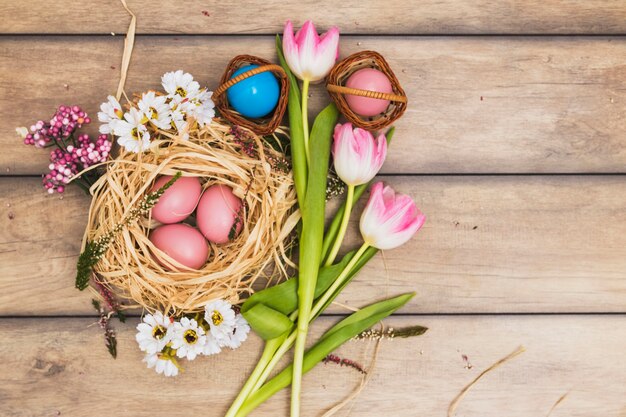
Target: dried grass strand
x=556, y=404
x=365, y=379
x=455, y=403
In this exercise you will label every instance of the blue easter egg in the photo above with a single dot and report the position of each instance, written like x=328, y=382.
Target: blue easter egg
x=256, y=96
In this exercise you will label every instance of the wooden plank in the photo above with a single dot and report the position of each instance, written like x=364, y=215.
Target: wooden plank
x=490, y=245
x=478, y=105
x=353, y=16
x=61, y=367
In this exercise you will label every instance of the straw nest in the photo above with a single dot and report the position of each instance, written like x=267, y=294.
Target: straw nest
x=132, y=266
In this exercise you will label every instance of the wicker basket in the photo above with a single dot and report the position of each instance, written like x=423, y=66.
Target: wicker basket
x=263, y=126
x=337, y=78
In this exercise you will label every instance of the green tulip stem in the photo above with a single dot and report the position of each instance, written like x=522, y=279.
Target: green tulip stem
x=344, y=226
x=250, y=385
x=282, y=350
x=317, y=309
x=305, y=118
x=322, y=302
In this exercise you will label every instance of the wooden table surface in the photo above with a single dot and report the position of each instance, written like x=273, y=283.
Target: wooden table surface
x=514, y=145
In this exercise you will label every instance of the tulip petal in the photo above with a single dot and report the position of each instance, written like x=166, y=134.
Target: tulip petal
x=389, y=219
x=309, y=56
x=291, y=50
x=307, y=40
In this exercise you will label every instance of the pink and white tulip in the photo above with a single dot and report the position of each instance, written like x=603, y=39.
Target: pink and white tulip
x=357, y=154
x=389, y=220
x=310, y=56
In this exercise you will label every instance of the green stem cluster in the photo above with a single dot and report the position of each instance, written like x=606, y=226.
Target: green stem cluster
x=281, y=314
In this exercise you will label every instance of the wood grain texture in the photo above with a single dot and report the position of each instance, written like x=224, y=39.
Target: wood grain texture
x=60, y=367
x=477, y=105
x=490, y=245
x=353, y=16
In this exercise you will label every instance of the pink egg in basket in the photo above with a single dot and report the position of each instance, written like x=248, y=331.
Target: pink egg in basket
x=372, y=80
x=183, y=243
x=217, y=212
x=178, y=201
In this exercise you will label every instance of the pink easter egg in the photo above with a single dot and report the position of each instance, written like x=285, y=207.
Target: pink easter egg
x=178, y=201
x=183, y=243
x=372, y=80
x=216, y=213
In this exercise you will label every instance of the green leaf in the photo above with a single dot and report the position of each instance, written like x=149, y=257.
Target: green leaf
x=331, y=340
x=314, y=206
x=267, y=311
x=296, y=131
x=84, y=267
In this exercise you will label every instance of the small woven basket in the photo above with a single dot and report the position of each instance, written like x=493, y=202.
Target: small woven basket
x=263, y=126
x=335, y=83
x=132, y=268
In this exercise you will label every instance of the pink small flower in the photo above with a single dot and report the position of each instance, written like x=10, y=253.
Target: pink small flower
x=358, y=156
x=389, y=219
x=310, y=56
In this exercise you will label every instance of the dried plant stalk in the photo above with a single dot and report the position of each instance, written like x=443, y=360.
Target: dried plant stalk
x=455, y=403
x=131, y=269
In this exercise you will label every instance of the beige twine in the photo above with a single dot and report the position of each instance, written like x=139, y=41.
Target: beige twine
x=129, y=42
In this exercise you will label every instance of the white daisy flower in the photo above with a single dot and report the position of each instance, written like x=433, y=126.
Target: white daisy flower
x=212, y=345
x=155, y=110
x=188, y=338
x=179, y=85
x=240, y=334
x=109, y=115
x=152, y=333
x=179, y=121
x=162, y=363
x=202, y=109
x=133, y=134
x=221, y=319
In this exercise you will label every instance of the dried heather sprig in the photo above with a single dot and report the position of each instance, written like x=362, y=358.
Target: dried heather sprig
x=392, y=333
x=334, y=186
x=242, y=138
x=109, y=332
x=94, y=250
x=344, y=362
x=110, y=300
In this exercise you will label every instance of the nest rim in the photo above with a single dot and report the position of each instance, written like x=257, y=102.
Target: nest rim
x=132, y=268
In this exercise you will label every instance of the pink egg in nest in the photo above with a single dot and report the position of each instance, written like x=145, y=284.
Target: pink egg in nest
x=217, y=212
x=372, y=80
x=178, y=201
x=183, y=243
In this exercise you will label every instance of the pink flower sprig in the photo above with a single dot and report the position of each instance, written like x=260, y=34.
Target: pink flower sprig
x=66, y=163
x=61, y=126
x=71, y=154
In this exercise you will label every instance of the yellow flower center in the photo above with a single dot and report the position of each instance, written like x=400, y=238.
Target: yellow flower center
x=181, y=92
x=158, y=332
x=217, y=318
x=153, y=113
x=191, y=336
x=135, y=133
